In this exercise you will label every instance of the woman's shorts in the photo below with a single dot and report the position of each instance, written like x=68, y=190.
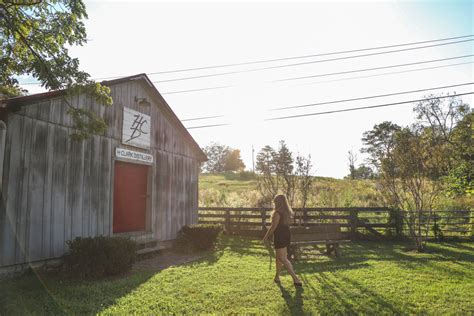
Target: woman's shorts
x=281, y=237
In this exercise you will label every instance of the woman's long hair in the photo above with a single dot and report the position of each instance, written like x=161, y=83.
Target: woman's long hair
x=283, y=208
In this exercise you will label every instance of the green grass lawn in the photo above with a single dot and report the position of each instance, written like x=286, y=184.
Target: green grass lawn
x=369, y=278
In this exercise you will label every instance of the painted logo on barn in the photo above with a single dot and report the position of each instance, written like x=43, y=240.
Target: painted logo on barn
x=136, y=128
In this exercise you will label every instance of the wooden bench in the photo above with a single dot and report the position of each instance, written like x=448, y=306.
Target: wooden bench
x=328, y=234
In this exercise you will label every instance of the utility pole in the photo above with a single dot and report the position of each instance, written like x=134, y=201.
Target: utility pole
x=253, y=159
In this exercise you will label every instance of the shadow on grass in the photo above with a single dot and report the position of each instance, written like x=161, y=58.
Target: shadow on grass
x=49, y=294
x=209, y=259
x=328, y=304
x=346, y=296
x=243, y=246
x=356, y=255
x=45, y=294
x=52, y=294
x=295, y=303
x=462, y=246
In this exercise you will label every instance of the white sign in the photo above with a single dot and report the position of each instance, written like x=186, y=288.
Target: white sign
x=136, y=128
x=133, y=155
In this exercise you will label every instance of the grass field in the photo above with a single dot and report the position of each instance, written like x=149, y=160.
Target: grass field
x=222, y=190
x=228, y=190
x=369, y=278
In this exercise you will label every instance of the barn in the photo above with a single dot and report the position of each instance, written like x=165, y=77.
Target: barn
x=139, y=179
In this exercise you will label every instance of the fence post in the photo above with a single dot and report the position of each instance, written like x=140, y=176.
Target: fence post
x=396, y=219
x=400, y=218
x=264, y=227
x=305, y=216
x=353, y=220
x=471, y=221
x=227, y=221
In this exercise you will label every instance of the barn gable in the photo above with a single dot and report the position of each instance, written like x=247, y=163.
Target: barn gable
x=130, y=92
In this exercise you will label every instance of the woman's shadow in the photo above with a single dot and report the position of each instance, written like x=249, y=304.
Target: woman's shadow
x=295, y=304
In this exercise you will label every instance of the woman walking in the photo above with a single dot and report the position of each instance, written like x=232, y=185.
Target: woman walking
x=281, y=219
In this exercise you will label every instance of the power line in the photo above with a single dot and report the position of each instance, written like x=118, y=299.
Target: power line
x=299, y=57
x=202, y=118
x=306, y=56
x=325, y=81
x=363, y=107
x=386, y=73
x=305, y=63
x=319, y=82
x=370, y=69
x=329, y=102
x=205, y=126
x=200, y=89
x=303, y=56
x=370, y=97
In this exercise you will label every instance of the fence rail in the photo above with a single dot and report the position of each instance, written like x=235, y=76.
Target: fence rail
x=377, y=221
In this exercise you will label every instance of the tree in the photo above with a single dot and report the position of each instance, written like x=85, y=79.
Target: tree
x=379, y=142
x=361, y=173
x=216, y=157
x=459, y=182
x=267, y=182
x=449, y=121
x=284, y=169
x=233, y=162
x=34, y=36
x=277, y=174
x=441, y=115
x=408, y=182
x=364, y=172
x=415, y=163
x=304, y=168
x=352, y=160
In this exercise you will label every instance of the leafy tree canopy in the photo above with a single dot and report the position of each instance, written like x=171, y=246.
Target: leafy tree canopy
x=34, y=36
x=448, y=128
x=216, y=156
x=266, y=160
x=361, y=172
x=379, y=141
x=279, y=172
x=233, y=161
x=222, y=158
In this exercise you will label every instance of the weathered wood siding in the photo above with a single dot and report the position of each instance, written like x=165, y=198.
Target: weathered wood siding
x=57, y=189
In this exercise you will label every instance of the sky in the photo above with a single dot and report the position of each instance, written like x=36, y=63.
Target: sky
x=130, y=37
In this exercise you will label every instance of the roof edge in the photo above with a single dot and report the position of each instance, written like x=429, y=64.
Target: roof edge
x=11, y=103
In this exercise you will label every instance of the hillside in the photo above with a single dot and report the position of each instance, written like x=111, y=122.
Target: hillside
x=230, y=190
x=234, y=190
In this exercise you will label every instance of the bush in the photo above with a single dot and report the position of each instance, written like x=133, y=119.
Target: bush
x=100, y=256
x=199, y=236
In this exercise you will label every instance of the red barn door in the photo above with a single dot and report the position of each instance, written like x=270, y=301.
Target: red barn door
x=130, y=197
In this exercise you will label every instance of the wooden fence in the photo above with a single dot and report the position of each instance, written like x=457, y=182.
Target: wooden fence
x=355, y=221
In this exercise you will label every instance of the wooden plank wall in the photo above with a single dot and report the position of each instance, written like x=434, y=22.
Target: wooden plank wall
x=57, y=189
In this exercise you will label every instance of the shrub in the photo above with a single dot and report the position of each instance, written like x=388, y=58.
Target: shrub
x=247, y=175
x=94, y=257
x=199, y=236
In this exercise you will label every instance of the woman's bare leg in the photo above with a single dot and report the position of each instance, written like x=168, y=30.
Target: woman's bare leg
x=279, y=265
x=281, y=255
